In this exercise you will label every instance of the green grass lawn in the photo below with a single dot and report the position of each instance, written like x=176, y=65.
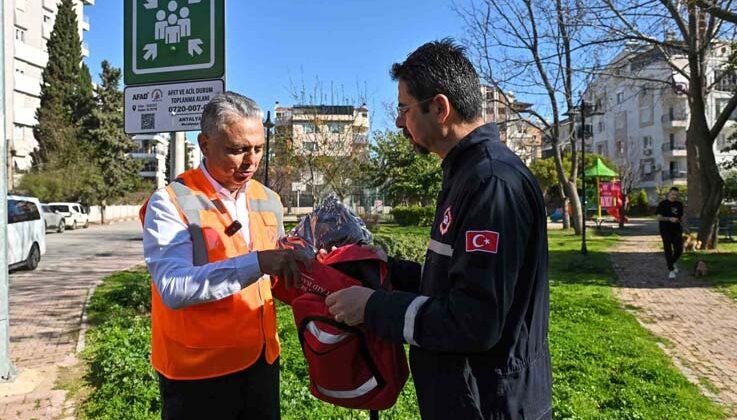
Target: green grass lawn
x=721, y=265
x=605, y=365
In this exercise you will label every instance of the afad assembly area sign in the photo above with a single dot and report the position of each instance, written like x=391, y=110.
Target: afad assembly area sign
x=174, y=62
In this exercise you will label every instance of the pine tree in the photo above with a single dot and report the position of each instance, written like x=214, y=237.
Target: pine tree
x=65, y=92
x=110, y=145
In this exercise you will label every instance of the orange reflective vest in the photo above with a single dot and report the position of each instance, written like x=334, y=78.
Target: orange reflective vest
x=225, y=336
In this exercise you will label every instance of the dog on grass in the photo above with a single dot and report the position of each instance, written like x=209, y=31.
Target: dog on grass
x=690, y=242
x=700, y=269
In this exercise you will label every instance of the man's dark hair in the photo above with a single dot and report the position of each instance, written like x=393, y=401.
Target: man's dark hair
x=674, y=189
x=441, y=67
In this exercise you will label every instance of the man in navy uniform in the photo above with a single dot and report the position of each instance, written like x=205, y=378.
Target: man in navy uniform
x=476, y=313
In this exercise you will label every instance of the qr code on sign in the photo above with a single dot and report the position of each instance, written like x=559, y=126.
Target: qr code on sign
x=148, y=121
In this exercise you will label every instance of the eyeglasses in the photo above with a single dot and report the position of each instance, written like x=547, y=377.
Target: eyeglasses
x=402, y=109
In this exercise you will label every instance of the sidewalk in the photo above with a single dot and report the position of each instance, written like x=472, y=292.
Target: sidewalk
x=699, y=324
x=46, y=309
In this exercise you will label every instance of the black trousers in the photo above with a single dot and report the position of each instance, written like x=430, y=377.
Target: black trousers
x=673, y=245
x=252, y=393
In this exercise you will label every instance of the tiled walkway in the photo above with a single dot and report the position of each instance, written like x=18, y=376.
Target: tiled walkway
x=699, y=322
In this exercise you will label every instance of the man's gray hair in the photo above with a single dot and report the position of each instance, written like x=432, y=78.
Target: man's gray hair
x=223, y=108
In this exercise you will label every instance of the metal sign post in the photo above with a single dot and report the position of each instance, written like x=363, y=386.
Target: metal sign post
x=7, y=371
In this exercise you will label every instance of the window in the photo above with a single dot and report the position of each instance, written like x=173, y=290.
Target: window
x=601, y=127
x=48, y=19
x=647, y=146
x=20, y=34
x=620, y=97
x=22, y=211
x=17, y=132
x=720, y=104
x=647, y=142
x=672, y=141
x=308, y=128
x=726, y=80
x=309, y=146
x=335, y=128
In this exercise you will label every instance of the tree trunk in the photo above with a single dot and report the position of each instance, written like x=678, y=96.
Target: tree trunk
x=577, y=215
x=570, y=192
x=705, y=184
x=103, y=208
x=566, y=220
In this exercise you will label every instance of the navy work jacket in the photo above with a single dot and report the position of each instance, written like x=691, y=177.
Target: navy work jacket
x=476, y=312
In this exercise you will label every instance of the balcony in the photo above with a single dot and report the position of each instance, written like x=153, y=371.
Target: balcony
x=89, y=2
x=674, y=121
x=86, y=23
x=674, y=150
x=46, y=29
x=24, y=116
x=27, y=85
x=29, y=54
x=85, y=50
x=673, y=177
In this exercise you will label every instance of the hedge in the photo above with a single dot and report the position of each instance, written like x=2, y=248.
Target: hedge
x=413, y=216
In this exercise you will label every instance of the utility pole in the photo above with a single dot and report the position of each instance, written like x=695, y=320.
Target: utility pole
x=177, y=151
x=7, y=371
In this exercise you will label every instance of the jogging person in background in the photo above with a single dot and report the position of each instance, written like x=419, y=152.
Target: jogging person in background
x=670, y=216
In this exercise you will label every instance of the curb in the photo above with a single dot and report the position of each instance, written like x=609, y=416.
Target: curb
x=84, y=323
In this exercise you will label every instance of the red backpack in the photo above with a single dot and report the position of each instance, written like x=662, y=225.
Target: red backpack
x=348, y=366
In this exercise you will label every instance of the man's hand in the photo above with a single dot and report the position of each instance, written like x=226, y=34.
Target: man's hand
x=348, y=305
x=283, y=264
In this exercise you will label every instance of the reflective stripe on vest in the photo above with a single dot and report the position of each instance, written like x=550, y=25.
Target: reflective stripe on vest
x=191, y=204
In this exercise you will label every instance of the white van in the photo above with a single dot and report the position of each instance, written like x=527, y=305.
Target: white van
x=26, y=232
x=75, y=215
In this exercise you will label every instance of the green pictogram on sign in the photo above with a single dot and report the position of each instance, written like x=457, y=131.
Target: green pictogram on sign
x=173, y=40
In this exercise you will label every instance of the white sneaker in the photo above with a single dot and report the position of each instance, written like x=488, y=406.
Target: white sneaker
x=672, y=274
x=675, y=268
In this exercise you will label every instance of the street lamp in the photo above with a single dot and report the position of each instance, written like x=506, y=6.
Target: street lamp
x=585, y=109
x=267, y=125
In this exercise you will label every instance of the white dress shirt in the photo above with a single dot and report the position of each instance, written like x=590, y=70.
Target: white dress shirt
x=168, y=252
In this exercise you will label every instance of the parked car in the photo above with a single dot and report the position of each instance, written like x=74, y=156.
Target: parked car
x=26, y=232
x=74, y=214
x=53, y=218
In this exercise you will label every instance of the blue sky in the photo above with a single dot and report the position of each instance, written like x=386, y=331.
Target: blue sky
x=272, y=45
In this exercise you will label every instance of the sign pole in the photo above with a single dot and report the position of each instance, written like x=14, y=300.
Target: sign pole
x=7, y=371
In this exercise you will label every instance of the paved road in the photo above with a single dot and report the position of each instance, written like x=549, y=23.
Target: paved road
x=46, y=308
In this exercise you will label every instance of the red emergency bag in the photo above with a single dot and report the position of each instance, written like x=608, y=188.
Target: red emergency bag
x=348, y=366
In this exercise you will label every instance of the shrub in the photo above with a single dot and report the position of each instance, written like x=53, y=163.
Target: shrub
x=639, y=203
x=414, y=215
x=404, y=246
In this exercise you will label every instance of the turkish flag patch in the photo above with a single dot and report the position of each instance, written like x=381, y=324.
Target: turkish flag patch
x=482, y=240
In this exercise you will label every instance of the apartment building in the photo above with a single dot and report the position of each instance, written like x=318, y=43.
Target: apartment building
x=321, y=130
x=153, y=150
x=515, y=130
x=28, y=25
x=645, y=121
